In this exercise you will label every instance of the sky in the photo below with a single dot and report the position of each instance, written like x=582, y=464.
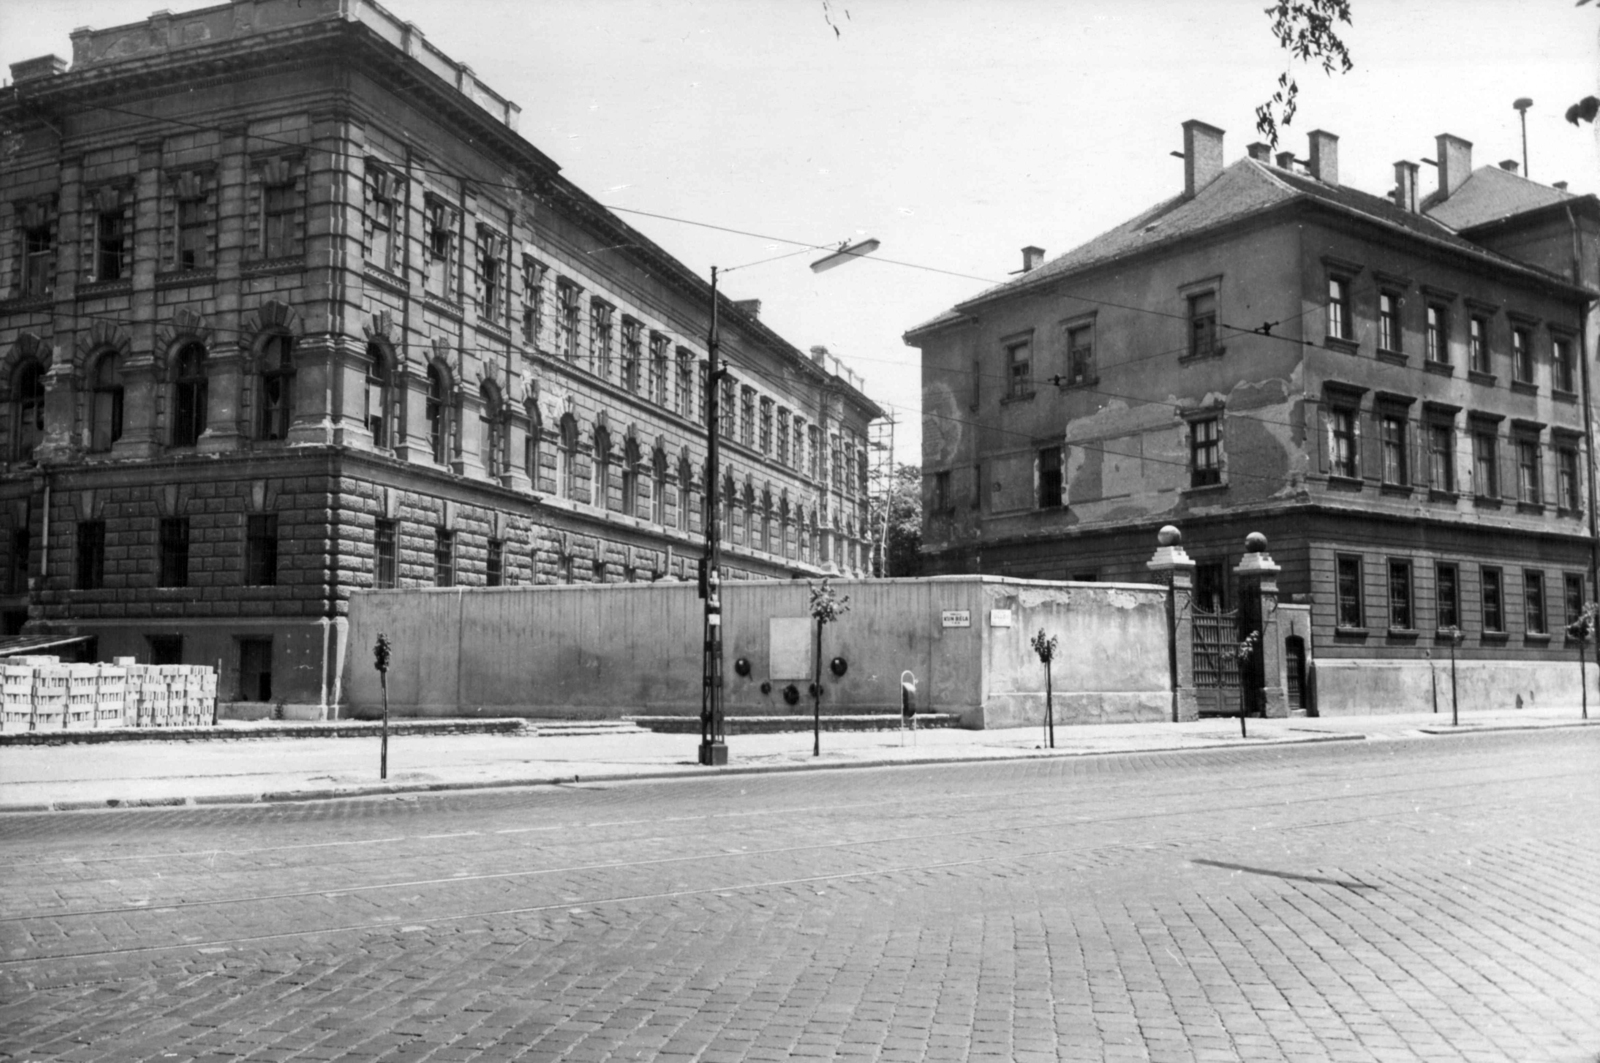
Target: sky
x=955, y=132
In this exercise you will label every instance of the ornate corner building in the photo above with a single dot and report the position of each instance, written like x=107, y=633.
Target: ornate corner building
x=288, y=308
x=1394, y=389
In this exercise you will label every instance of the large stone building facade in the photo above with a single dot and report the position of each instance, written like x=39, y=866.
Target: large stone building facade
x=288, y=308
x=1398, y=402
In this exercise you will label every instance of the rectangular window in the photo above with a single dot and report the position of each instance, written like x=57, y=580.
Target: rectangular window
x=1203, y=325
x=1438, y=334
x=491, y=275
x=632, y=352
x=1494, y=618
x=165, y=649
x=384, y=556
x=1050, y=478
x=747, y=417
x=783, y=436
x=567, y=308
x=1019, y=368
x=660, y=346
x=1447, y=597
x=193, y=244
x=1205, y=452
x=1485, y=464
x=174, y=546
x=38, y=261
x=382, y=217
x=439, y=244
x=1478, y=343
x=261, y=550
x=444, y=558
x=814, y=452
x=942, y=501
x=1395, y=472
x=1521, y=356
x=765, y=437
x=21, y=549
x=280, y=213
x=1530, y=488
x=1442, y=457
x=494, y=563
x=111, y=245
x=1533, y=602
x=1345, y=457
x=1389, y=322
x=1348, y=576
x=1567, y=497
x=1400, y=595
x=1572, y=588
x=727, y=412
x=91, y=561
x=600, y=338
x=255, y=669
x=532, y=301
x=1080, y=355
x=1340, y=326
x=685, y=405
x=1561, y=366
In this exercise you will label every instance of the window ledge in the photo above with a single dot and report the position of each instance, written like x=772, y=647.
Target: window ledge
x=186, y=277
x=1009, y=399
x=1533, y=508
x=1392, y=357
x=442, y=304
x=262, y=267
x=23, y=303
x=1442, y=496
x=95, y=289
x=1525, y=387
x=1353, y=632
x=498, y=331
x=1439, y=368
x=1480, y=377
x=1402, y=633
x=1397, y=490
x=1485, y=502
x=1337, y=343
x=1494, y=636
x=1200, y=489
x=1562, y=395
x=1216, y=350
x=1541, y=637
x=393, y=281
x=1339, y=481
x=1086, y=382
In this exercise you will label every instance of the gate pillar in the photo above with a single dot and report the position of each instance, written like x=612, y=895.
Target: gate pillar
x=1262, y=675
x=1171, y=566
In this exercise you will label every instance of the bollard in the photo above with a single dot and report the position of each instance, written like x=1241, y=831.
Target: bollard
x=908, y=708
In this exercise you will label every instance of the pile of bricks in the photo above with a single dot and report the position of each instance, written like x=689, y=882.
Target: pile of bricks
x=42, y=694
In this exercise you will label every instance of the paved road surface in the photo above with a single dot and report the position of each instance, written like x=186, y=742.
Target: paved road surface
x=1382, y=900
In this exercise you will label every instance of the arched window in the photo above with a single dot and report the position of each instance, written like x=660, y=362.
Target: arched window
x=27, y=409
x=531, y=444
x=437, y=411
x=749, y=516
x=379, y=421
x=189, y=396
x=600, y=496
x=630, y=478
x=805, y=533
x=658, y=486
x=685, y=487
x=568, y=474
x=490, y=443
x=729, y=501
x=105, y=404
x=275, y=407
x=765, y=537
x=785, y=544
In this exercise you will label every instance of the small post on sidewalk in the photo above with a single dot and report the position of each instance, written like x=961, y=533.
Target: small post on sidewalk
x=1579, y=631
x=1453, y=633
x=380, y=654
x=1046, y=649
x=908, y=708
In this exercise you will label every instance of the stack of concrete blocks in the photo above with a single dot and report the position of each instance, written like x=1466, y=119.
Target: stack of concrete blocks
x=42, y=694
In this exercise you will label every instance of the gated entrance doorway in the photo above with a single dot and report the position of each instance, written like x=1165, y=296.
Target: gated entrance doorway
x=1216, y=661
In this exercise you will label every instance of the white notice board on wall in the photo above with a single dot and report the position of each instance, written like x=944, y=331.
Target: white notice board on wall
x=789, y=648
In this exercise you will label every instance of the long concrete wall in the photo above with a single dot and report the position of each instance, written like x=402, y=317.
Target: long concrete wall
x=629, y=649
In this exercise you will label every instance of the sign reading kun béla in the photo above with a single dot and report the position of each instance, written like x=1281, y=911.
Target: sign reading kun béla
x=957, y=618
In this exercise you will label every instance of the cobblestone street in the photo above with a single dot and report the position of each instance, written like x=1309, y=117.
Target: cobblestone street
x=1428, y=899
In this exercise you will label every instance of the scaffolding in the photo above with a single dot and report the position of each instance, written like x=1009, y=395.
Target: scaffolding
x=880, y=488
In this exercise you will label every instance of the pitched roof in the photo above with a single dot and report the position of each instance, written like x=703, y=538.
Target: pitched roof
x=1489, y=194
x=1245, y=188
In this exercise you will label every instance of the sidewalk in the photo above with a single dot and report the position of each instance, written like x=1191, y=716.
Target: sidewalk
x=251, y=769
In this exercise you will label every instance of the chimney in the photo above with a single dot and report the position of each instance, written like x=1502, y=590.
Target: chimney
x=46, y=66
x=1032, y=258
x=819, y=353
x=1286, y=160
x=1508, y=165
x=752, y=307
x=1560, y=186
x=1202, y=155
x=1455, y=163
x=1405, y=186
x=1324, y=157
x=1260, y=152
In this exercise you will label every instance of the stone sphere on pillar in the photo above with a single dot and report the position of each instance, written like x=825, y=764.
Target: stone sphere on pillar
x=1169, y=535
x=1255, y=543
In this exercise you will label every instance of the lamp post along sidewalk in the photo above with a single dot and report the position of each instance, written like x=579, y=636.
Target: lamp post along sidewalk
x=713, y=724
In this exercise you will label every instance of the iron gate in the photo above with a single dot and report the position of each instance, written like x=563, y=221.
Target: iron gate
x=1216, y=662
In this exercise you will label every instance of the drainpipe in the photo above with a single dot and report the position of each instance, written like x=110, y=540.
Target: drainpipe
x=1588, y=413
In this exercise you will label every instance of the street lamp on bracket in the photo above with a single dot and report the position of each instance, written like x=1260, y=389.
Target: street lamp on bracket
x=713, y=729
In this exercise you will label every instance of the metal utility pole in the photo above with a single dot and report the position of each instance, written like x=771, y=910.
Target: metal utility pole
x=713, y=736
